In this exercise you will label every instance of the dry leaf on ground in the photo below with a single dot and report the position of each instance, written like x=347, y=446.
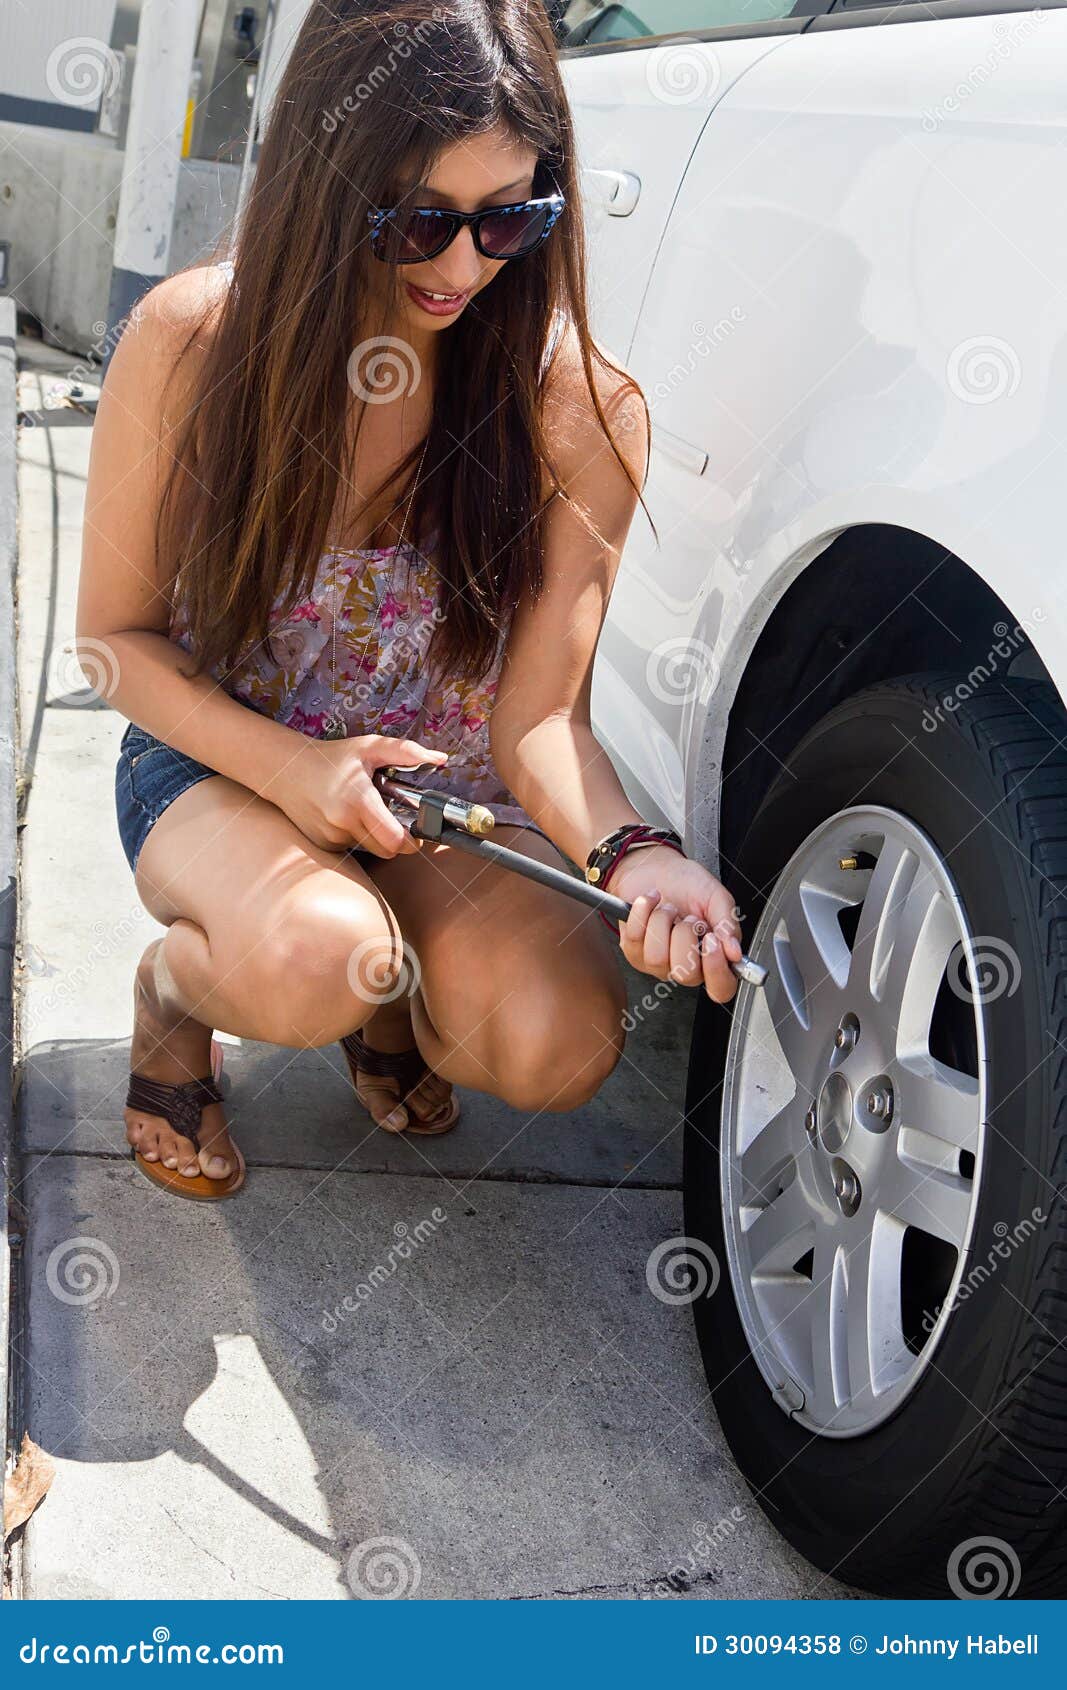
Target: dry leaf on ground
x=26, y=1486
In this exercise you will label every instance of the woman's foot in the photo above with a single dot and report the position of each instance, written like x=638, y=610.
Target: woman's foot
x=172, y=1048
x=390, y=1029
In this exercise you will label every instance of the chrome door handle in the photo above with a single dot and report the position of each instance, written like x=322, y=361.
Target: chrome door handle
x=617, y=190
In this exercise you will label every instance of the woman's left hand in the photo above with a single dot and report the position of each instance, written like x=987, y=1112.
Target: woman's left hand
x=675, y=901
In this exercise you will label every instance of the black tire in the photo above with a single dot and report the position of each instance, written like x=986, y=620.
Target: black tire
x=979, y=1448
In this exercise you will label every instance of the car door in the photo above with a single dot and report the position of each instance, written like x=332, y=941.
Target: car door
x=642, y=84
x=642, y=89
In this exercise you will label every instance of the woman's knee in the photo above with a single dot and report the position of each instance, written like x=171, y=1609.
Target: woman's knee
x=324, y=967
x=555, y=1055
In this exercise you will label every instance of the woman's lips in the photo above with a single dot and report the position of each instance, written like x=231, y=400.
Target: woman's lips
x=436, y=307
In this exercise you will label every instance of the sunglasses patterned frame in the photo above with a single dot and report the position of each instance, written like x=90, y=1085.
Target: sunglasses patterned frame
x=450, y=223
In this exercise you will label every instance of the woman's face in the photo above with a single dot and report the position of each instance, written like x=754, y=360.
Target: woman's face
x=470, y=175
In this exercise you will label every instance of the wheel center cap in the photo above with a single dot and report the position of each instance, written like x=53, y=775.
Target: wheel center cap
x=833, y=1112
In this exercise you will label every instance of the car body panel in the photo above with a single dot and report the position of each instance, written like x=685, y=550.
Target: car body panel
x=858, y=313
x=641, y=114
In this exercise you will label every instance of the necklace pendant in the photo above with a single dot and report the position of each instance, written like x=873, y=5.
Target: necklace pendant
x=335, y=728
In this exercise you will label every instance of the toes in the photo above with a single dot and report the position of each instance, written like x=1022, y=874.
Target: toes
x=430, y=1096
x=148, y=1143
x=155, y=1141
x=183, y=1157
x=384, y=1108
x=217, y=1158
x=217, y=1155
x=137, y=1132
x=214, y=1165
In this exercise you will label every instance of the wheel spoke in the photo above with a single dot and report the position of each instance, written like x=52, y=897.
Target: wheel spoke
x=877, y=1352
x=940, y=1103
x=814, y=965
x=934, y=1202
x=782, y=1232
x=827, y=1303
x=891, y=880
x=925, y=932
x=773, y=1151
x=786, y=1007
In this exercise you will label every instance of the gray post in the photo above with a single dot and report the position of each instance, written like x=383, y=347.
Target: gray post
x=166, y=42
x=9, y=763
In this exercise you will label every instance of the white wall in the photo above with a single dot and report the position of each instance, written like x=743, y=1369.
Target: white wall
x=30, y=34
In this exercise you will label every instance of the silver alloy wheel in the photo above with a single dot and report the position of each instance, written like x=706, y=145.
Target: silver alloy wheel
x=851, y=1154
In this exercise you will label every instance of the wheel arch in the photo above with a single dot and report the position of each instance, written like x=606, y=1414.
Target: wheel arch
x=878, y=601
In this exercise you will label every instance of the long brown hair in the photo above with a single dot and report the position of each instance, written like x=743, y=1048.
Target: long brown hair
x=373, y=87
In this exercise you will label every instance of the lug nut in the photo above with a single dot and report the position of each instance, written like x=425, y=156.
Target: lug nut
x=846, y=1188
x=880, y=1104
x=810, y=1123
x=847, y=1035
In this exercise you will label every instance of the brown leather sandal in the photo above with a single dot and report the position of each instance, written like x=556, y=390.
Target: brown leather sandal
x=181, y=1106
x=407, y=1066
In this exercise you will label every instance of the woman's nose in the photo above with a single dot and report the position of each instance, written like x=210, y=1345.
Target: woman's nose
x=460, y=266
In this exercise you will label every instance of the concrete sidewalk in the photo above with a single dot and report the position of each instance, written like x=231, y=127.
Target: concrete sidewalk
x=508, y=1412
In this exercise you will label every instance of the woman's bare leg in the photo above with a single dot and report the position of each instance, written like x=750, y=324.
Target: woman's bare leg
x=521, y=991
x=268, y=937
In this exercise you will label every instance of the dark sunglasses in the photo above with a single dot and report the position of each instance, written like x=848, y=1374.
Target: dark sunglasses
x=402, y=235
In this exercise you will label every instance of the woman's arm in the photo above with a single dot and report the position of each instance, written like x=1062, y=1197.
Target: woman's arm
x=124, y=600
x=540, y=733
x=124, y=604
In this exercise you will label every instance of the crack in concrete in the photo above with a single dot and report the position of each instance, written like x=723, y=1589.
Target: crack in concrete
x=676, y=1581
x=484, y=1176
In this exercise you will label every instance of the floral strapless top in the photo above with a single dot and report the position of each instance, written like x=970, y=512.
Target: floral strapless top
x=350, y=659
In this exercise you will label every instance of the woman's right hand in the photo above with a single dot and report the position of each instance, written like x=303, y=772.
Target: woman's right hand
x=328, y=791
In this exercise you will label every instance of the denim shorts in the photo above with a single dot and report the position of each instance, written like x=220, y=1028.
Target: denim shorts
x=149, y=775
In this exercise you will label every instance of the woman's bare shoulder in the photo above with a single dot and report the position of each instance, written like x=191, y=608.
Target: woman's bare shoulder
x=570, y=417
x=172, y=324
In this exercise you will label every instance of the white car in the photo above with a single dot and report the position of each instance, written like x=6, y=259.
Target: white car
x=832, y=249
